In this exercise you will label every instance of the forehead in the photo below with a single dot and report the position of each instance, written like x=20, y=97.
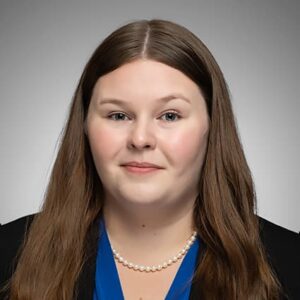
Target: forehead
x=145, y=79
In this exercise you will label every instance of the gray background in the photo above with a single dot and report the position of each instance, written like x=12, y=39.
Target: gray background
x=45, y=44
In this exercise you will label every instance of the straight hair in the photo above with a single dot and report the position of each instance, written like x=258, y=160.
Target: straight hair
x=233, y=265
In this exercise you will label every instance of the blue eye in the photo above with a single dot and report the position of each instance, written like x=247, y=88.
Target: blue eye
x=171, y=115
x=117, y=114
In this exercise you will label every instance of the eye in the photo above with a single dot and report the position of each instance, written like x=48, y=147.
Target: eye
x=171, y=114
x=119, y=116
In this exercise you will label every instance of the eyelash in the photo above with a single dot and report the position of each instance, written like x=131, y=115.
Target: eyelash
x=168, y=112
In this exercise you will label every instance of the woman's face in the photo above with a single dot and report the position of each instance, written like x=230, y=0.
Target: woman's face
x=160, y=117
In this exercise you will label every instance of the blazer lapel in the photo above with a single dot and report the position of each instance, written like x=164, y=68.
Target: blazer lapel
x=85, y=285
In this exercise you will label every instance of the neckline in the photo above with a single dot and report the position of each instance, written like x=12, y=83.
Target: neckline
x=180, y=286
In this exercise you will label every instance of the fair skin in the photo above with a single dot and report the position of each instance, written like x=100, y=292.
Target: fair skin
x=148, y=216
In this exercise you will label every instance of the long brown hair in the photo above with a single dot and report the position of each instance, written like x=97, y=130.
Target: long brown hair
x=233, y=265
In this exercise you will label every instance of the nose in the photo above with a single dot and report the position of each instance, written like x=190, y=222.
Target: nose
x=141, y=135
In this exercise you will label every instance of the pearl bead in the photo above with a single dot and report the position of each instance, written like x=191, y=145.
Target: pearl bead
x=142, y=268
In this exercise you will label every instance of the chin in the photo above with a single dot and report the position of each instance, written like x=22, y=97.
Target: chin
x=142, y=200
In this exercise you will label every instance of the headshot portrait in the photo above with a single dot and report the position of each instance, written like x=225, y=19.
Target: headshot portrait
x=149, y=155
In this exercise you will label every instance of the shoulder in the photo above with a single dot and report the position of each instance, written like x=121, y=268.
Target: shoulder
x=282, y=244
x=11, y=237
x=282, y=247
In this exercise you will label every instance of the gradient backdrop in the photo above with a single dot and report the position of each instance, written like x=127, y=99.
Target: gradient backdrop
x=44, y=46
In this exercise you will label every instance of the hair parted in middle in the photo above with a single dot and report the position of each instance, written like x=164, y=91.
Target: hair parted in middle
x=233, y=264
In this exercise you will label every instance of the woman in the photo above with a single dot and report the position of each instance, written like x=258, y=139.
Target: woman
x=150, y=195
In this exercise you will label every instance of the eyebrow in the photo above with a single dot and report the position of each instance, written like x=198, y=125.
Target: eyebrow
x=164, y=99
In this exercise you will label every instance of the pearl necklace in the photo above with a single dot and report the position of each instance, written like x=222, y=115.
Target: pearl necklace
x=159, y=267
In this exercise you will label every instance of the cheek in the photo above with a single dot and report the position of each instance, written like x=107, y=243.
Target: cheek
x=188, y=147
x=104, y=144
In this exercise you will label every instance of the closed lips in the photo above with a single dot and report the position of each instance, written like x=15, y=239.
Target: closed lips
x=142, y=165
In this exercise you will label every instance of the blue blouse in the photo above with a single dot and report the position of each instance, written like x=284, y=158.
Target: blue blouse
x=107, y=281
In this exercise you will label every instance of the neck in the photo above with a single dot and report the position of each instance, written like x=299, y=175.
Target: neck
x=138, y=230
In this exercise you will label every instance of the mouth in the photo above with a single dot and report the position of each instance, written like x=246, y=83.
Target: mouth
x=140, y=170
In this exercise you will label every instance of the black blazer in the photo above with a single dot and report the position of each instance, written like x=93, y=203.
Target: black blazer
x=282, y=246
